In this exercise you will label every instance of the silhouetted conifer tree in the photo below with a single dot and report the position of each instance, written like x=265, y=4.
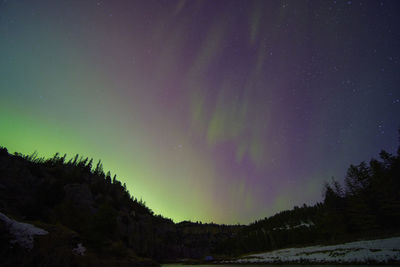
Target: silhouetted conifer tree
x=99, y=169
x=89, y=166
x=108, y=177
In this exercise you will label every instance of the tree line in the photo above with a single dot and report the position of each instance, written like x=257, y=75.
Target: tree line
x=366, y=205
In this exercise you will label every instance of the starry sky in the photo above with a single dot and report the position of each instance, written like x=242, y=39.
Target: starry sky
x=223, y=111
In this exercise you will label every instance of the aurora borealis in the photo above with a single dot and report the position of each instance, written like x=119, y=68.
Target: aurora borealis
x=223, y=111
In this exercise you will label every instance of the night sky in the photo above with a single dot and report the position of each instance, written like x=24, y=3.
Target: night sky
x=223, y=111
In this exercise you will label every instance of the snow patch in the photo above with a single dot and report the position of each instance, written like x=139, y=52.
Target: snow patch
x=79, y=250
x=22, y=232
x=380, y=250
x=288, y=227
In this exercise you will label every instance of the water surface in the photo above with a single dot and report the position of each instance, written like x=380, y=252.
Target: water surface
x=266, y=265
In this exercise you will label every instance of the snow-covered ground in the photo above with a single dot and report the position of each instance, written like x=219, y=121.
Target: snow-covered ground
x=23, y=232
x=288, y=227
x=380, y=250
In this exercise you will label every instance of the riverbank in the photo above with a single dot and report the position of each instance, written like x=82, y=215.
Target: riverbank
x=378, y=251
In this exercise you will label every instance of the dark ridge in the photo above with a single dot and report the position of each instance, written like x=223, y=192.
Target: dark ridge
x=76, y=202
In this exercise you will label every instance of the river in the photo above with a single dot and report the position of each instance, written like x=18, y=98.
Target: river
x=267, y=265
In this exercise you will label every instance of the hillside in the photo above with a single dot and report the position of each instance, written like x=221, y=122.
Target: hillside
x=72, y=213
x=77, y=203
x=367, y=206
x=380, y=251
